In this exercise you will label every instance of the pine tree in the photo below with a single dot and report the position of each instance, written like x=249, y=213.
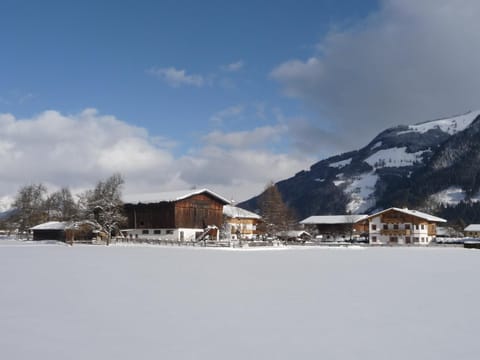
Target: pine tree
x=276, y=215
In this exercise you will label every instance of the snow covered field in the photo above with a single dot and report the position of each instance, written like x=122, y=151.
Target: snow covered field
x=93, y=302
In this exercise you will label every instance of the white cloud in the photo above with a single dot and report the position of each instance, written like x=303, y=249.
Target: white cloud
x=219, y=117
x=409, y=61
x=176, y=78
x=233, y=67
x=243, y=139
x=79, y=149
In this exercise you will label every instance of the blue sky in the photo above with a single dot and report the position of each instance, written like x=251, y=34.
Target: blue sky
x=71, y=55
x=222, y=94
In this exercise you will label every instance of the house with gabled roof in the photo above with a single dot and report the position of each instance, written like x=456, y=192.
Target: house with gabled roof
x=402, y=226
x=185, y=215
x=336, y=227
x=240, y=223
x=472, y=230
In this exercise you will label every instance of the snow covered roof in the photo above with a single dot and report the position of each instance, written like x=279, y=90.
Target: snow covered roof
x=472, y=227
x=51, y=225
x=333, y=219
x=238, y=213
x=416, y=213
x=170, y=196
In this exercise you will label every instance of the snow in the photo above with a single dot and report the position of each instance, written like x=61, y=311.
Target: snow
x=333, y=219
x=449, y=125
x=452, y=196
x=394, y=157
x=361, y=190
x=169, y=196
x=340, y=164
x=92, y=302
x=236, y=212
x=376, y=145
x=472, y=227
x=415, y=213
x=51, y=225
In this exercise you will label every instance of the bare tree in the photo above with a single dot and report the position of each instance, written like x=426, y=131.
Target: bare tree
x=61, y=206
x=30, y=206
x=104, y=204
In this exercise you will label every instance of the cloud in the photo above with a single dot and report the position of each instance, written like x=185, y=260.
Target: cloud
x=177, y=78
x=77, y=150
x=234, y=67
x=219, y=117
x=409, y=61
x=243, y=139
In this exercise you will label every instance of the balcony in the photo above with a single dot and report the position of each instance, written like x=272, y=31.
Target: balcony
x=396, y=232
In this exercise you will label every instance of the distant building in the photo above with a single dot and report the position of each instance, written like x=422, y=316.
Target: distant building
x=241, y=223
x=337, y=227
x=402, y=226
x=52, y=230
x=66, y=231
x=185, y=215
x=472, y=230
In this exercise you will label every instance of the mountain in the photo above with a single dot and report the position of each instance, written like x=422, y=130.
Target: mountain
x=430, y=165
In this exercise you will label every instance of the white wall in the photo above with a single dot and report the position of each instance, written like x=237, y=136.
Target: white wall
x=421, y=234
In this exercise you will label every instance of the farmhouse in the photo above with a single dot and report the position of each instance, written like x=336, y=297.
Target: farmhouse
x=402, y=226
x=337, y=227
x=186, y=215
x=472, y=230
x=240, y=223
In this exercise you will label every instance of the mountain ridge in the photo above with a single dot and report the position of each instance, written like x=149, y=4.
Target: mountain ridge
x=405, y=165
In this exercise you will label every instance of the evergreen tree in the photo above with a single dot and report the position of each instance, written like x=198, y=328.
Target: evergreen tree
x=276, y=215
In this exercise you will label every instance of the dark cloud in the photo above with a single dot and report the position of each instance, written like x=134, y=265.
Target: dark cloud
x=411, y=61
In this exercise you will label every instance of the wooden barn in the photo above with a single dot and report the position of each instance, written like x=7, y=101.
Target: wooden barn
x=337, y=227
x=178, y=215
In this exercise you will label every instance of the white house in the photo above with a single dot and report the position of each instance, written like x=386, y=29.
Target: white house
x=241, y=223
x=402, y=226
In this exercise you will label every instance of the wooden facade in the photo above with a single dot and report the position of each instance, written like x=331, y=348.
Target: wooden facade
x=402, y=226
x=196, y=211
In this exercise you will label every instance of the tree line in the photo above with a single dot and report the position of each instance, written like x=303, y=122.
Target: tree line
x=102, y=205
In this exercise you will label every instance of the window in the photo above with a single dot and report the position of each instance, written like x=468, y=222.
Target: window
x=374, y=239
x=416, y=226
x=169, y=232
x=393, y=239
x=157, y=232
x=145, y=232
x=423, y=227
x=374, y=226
x=415, y=239
x=385, y=226
x=407, y=226
x=407, y=240
x=395, y=226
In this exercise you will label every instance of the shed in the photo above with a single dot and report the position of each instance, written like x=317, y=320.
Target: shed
x=52, y=230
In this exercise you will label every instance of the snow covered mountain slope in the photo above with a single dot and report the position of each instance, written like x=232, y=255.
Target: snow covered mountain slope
x=402, y=166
